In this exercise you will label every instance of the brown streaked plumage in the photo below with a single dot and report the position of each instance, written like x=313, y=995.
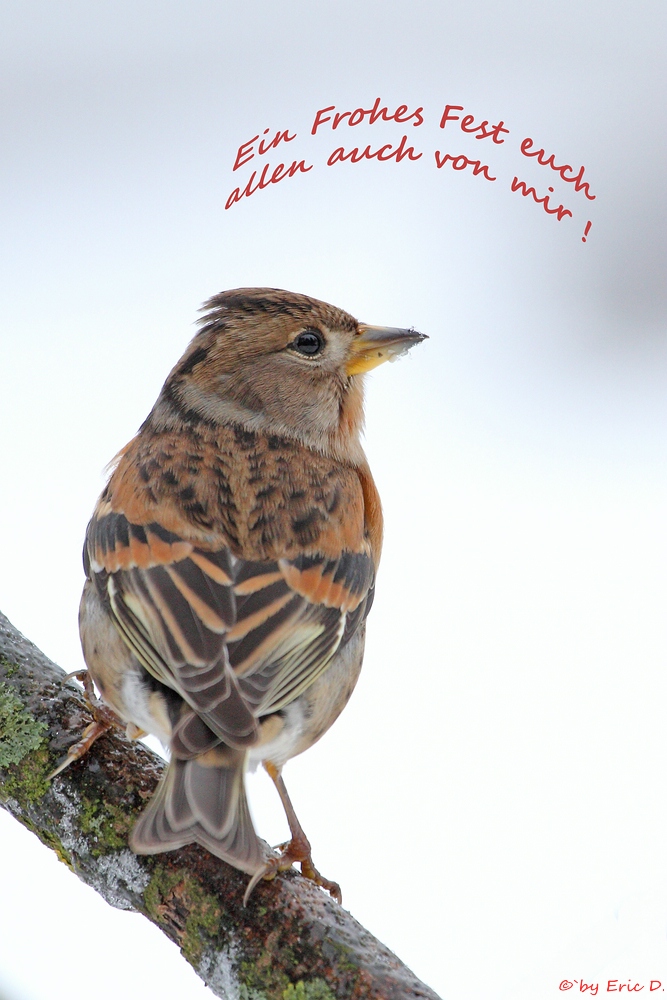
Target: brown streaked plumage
x=231, y=564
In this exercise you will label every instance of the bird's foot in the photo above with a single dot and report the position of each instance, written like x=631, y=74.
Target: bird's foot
x=103, y=720
x=83, y=677
x=296, y=851
x=308, y=870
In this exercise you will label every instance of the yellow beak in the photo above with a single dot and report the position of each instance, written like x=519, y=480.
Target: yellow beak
x=374, y=345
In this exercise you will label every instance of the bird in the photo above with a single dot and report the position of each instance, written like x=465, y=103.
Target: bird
x=231, y=563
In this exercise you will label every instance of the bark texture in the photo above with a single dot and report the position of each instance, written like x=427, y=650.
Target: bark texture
x=292, y=942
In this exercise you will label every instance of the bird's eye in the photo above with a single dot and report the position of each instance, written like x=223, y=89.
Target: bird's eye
x=309, y=342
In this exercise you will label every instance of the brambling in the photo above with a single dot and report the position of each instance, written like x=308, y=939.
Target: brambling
x=231, y=565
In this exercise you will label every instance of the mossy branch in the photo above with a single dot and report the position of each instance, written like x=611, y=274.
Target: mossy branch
x=292, y=942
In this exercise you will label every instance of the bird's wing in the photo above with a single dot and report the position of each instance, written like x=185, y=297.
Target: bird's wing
x=236, y=638
x=276, y=664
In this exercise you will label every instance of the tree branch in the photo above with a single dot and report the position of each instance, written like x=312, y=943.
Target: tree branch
x=291, y=942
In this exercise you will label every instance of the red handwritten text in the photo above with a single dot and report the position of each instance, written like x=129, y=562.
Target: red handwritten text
x=613, y=986
x=468, y=124
x=279, y=174
x=461, y=162
x=382, y=153
x=246, y=152
x=616, y=986
x=544, y=202
x=359, y=115
x=579, y=184
x=331, y=118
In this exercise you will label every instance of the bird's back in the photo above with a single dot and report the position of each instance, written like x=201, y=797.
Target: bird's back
x=267, y=497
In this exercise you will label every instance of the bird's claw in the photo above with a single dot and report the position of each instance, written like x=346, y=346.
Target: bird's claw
x=83, y=677
x=294, y=851
x=103, y=720
x=308, y=870
x=91, y=733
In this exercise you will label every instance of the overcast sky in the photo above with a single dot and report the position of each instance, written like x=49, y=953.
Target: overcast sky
x=493, y=800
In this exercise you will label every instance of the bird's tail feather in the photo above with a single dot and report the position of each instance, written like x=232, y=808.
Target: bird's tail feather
x=202, y=803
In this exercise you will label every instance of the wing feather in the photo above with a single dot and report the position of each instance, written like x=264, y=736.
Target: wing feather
x=237, y=639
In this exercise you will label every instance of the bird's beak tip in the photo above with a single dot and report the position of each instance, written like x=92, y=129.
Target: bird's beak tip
x=374, y=345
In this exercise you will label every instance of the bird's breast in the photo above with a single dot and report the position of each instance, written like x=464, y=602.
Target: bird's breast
x=267, y=497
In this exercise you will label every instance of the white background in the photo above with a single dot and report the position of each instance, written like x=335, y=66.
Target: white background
x=493, y=799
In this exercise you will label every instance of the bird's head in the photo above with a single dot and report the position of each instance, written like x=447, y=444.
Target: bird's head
x=282, y=363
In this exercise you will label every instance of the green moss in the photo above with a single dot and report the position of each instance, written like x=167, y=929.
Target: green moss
x=261, y=981
x=279, y=988
x=169, y=891
x=316, y=989
x=27, y=782
x=157, y=890
x=107, y=823
x=8, y=668
x=203, y=922
x=50, y=840
x=20, y=732
x=345, y=958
